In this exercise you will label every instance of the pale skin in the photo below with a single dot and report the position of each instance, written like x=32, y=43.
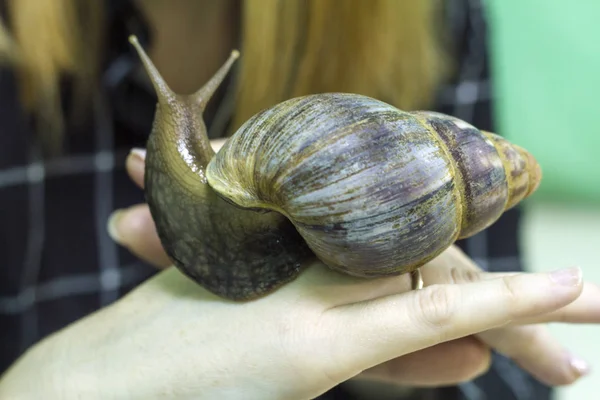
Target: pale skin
x=170, y=338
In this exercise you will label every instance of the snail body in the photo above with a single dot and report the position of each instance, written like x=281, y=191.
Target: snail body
x=368, y=189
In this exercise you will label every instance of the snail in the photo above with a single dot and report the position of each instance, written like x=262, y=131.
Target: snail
x=369, y=190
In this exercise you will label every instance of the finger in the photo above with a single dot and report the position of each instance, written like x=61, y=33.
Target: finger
x=134, y=229
x=447, y=363
x=586, y=309
x=135, y=162
x=455, y=256
x=216, y=144
x=332, y=288
x=535, y=350
x=532, y=347
x=396, y=325
x=453, y=266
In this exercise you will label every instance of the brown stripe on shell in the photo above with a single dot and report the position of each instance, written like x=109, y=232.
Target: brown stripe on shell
x=516, y=169
x=482, y=171
x=410, y=237
x=534, y=169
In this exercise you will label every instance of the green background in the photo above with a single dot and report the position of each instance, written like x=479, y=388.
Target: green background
x=546, y=66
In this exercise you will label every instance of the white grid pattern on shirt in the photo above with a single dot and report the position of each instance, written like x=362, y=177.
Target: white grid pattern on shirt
x=80, y=164
x=65, y=286
x=35, y=243
x=110, y=274
x=110, y=277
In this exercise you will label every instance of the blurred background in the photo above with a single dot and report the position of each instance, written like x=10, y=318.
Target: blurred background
x=546, y=63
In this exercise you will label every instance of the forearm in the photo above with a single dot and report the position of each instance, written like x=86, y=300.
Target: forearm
x=37, y=374
x=63, y=365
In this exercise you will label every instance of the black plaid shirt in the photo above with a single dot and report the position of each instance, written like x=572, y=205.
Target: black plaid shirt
x=58, y=263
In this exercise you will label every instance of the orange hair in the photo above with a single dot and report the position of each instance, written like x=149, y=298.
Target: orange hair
x=387, y=49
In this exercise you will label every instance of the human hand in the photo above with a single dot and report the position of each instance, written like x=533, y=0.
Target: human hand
x=170, y=338
x=529, y=345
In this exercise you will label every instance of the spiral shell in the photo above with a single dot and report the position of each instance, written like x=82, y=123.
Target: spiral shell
x=372, y=189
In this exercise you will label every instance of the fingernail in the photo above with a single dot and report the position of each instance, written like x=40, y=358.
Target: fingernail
x=137, y=157
x=138, y=153
x=580, y=366
x=112, y=226
x=567, y=277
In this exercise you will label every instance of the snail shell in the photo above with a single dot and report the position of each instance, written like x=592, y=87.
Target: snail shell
x=368, y=189
x=373, y=190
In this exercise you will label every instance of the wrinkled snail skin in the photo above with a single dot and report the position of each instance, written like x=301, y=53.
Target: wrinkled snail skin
x=368, y=189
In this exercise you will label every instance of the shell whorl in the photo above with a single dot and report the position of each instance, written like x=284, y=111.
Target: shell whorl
x=494, y=175
x=373, y=190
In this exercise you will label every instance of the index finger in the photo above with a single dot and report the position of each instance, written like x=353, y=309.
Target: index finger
x=378, y=330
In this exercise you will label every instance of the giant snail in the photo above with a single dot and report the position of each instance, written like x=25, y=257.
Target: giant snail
x=368, y=189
